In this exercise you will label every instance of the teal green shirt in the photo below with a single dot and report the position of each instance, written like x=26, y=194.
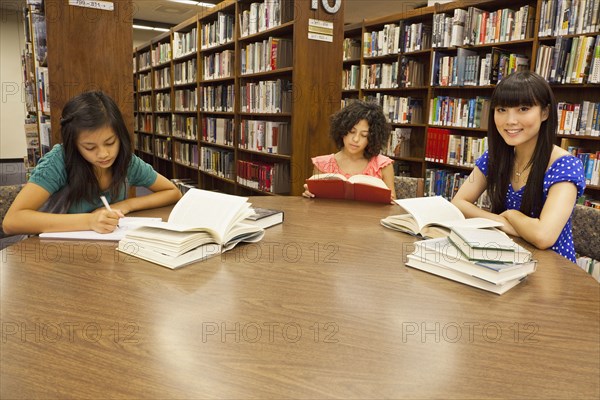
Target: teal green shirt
x=51, y=174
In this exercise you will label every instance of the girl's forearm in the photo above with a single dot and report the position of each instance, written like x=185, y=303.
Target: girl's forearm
x=470, y=210
x=33, y=222
x=530, y=229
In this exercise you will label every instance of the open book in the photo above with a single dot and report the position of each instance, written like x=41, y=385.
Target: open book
x=357, y=187
x=202, y=224
x=432, y=217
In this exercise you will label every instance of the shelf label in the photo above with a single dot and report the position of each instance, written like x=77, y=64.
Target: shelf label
x=320, y=30
x=320, y=37
x=100, y=5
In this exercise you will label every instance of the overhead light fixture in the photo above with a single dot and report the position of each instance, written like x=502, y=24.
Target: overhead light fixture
x=150, y=28
x=194, y=3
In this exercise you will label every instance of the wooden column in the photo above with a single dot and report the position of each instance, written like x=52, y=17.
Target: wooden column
x=89, y=49
x=317, y=89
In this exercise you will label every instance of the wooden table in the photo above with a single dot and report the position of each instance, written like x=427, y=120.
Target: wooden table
x=323, y=307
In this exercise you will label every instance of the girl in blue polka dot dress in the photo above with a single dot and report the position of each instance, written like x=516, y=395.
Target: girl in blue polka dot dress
x=532, y=184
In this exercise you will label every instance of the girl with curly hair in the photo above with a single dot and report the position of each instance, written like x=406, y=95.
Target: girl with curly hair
x=359, y=131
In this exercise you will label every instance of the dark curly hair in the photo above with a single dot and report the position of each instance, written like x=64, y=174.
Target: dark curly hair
x=344, y=120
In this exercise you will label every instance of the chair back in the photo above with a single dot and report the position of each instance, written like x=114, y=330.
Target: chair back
x=586, y=231
x=408, y=187
x=7, y=196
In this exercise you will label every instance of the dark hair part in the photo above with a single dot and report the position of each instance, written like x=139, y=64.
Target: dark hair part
x=344, y=120
x=524, y=88
x=91, y=111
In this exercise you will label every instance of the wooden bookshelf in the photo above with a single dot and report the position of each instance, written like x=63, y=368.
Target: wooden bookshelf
x=351, y=63
x=417, y=162
x=33, y=57
x=218, y=153
x=143, y=118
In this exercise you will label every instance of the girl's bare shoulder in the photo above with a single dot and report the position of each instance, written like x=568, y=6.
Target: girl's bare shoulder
x=557, y=152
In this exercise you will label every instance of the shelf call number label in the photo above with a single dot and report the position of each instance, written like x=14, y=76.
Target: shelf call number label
x=322, y=30
x=100, y=5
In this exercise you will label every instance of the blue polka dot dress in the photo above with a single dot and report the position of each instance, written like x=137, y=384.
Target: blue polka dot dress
x=567, y=168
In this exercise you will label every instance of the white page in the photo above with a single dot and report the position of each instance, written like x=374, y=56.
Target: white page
x=125, y=224
x=427, y=210
x=368, y=180
x=215, y=212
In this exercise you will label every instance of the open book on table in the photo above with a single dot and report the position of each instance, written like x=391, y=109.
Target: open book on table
x=357, y=187
x=202, y=224
x=125, y=224
x=432, y=217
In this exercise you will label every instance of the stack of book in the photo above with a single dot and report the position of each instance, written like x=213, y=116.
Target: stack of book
x=484, y=258
x=202, y=224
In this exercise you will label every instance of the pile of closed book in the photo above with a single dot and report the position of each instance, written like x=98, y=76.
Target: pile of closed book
x=484, y=258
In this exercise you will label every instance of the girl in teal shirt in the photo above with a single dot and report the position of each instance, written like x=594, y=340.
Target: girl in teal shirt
x=95, y=159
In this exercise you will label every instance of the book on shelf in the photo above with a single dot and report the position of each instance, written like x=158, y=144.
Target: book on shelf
x=488, y=245
x=265, y=217
x=443, y=252
x=432, y=217
x=201, y=225
x=357, y=187
x=125, y=224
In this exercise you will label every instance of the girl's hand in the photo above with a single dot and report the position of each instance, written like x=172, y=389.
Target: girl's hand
x=104, y=221
x=306, y=192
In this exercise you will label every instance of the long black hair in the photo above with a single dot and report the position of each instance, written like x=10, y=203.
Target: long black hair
x=344, y=120
x=523, y=88
x=91, y=111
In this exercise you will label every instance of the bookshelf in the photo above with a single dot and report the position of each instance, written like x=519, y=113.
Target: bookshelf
x=184, y=123
x=33, y=62
x=218, y=98
x=390, y=46
x=352, y=51
x=256, y=107
x=453, y=78
x=50, y=82
x=163, y=102
x=568, y=47
x=144, y=123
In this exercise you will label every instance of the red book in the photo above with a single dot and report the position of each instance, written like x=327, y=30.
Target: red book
x=274, y=44
x=357, y=187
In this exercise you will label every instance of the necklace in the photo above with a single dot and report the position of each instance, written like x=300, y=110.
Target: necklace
x=518, y=174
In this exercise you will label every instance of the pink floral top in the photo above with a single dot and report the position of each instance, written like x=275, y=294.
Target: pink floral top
x=328, y=164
